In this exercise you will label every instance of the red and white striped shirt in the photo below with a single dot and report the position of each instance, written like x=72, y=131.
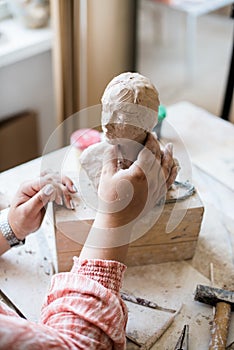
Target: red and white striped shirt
x=82, y=310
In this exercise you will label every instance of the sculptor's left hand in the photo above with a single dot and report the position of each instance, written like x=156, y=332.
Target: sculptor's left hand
x=28, y=206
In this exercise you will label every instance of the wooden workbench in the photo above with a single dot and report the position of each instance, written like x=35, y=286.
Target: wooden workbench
x=25, y=271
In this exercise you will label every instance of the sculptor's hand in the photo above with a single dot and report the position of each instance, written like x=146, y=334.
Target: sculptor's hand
x=28, y=205
x=125, y=195
x=128, y=194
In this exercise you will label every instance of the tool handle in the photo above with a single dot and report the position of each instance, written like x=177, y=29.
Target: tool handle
x=220, y=326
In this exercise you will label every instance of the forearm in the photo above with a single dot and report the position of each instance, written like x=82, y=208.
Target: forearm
x=115, y=253
x=107, y=240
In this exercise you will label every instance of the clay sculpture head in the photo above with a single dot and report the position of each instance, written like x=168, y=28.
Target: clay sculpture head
x=129, y=108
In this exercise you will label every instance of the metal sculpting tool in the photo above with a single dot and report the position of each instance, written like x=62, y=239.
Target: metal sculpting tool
x=4, y=298
x=183, y=341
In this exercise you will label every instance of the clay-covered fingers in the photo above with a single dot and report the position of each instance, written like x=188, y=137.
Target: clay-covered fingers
x=148, y=163
x=168, y=165
x=145, y=161
x=149, y=156
x=68, y=183
x=106, y=190
x=110, y=160
x=153, y=145
x=63, y=188
x=156, y=183
x=62, y=196
x=174, y=172
x=52, y=176
x=114, y=193
x=147, y=169
x=109, y=167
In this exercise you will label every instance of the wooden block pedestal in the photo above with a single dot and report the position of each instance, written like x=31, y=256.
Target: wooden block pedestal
x=155, y=246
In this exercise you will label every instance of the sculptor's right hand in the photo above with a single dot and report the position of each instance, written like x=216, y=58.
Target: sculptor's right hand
x=127, y=194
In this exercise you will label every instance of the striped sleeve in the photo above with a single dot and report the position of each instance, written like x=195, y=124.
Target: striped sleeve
x=82, y=310
x=85, y=304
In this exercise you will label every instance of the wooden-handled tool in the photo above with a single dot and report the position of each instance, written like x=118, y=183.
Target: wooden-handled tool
x=223, y=300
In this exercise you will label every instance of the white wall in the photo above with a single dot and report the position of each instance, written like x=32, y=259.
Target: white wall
x=28, y=84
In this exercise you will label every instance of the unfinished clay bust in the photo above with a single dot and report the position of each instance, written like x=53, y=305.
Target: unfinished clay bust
x=129, y=107
x=129, y=110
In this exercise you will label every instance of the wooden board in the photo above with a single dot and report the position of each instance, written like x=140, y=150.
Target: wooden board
x=155, y=246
